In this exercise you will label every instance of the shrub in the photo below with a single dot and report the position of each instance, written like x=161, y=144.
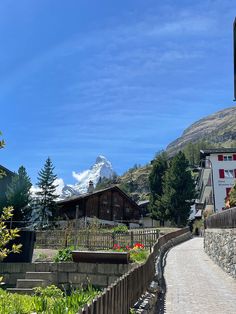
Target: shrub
x=49, y=300
x=64, y=255
x=120, y=229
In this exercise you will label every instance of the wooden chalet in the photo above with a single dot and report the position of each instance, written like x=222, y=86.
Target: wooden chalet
x=107, y=204
x=5, y=180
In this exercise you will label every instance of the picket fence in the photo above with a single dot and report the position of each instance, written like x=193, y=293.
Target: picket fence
x=94, y=240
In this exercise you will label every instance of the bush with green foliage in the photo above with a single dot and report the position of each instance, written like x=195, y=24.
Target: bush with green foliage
x=120, y=229
x=49, y=300
x=64, y=255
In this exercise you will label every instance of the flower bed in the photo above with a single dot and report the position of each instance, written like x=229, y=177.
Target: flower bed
x=138, y=254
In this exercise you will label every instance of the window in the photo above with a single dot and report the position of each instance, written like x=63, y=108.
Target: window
x=228, y=158
x=229, y=174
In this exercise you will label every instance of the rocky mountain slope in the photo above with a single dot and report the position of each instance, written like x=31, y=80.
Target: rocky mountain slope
x=218, y=128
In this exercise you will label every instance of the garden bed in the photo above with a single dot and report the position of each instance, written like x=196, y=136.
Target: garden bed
x=101, y=257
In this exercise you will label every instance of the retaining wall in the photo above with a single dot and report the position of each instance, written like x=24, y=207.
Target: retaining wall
x=220, y=245
x=68, y=273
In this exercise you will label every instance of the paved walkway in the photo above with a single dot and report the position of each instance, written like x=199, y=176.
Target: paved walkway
x=195, y=284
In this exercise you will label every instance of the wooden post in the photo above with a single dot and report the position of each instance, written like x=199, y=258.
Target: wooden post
x=76, y=225
x=132, y=239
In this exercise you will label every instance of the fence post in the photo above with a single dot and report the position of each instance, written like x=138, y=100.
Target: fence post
x=132, y=238
x=113, y=238
x=87, y=238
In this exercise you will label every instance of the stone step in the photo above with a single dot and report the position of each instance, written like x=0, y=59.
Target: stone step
x=31, y=283
x=20, y=290
x=49, y=276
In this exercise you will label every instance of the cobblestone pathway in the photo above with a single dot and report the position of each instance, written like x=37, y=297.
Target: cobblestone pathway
x=195, y=284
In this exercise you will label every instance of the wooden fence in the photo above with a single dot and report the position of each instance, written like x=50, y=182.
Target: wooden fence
x=223, y=220
x=123, y=293
x=94, y=240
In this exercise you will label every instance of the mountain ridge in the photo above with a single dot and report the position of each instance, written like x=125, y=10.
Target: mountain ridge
x=218, y=128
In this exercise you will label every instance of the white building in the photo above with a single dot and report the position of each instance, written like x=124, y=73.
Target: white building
x=217, y=177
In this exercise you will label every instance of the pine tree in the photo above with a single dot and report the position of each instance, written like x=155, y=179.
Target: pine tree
x=18, y=194
x=178, y=190
x=46, y=196
x=156, y=186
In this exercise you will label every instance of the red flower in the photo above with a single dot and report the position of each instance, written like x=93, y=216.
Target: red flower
x=116, y=247
x=139, y=246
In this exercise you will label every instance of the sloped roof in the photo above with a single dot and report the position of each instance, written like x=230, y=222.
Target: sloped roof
x=86, y=195
x=207, y=152
x=6, y=170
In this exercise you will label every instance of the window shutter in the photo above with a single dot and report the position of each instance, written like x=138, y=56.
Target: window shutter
x=234, y=156
x=220, y=157
x=221, y=173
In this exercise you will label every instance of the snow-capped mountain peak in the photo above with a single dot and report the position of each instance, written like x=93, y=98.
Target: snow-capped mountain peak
x=102, y=168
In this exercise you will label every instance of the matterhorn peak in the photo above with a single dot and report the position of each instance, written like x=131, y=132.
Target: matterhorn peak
x=100, y=159
x=102, y=168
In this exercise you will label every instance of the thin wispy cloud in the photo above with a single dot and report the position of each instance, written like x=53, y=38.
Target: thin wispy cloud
x=124, y=84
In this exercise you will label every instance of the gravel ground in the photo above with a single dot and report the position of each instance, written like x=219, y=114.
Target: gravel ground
x=44, y=255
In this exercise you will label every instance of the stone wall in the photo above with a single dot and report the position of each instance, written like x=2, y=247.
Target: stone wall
x=220, y=245
x=66, y=274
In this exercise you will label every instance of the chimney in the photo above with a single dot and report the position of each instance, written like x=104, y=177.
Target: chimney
x=90, y=187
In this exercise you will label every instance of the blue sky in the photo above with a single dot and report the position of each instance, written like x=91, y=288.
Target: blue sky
x=118, y=78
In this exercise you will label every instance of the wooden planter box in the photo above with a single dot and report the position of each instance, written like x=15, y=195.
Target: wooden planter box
x=100, y=257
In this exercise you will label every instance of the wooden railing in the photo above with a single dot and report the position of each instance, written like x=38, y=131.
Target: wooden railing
x=123, y=293
x=223, y=220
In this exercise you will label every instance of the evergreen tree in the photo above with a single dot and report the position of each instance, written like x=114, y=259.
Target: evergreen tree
x=178, y=190
x=156, y=187
x=45, y=205
x=18, y=194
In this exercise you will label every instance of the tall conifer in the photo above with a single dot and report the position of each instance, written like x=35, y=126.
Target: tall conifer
x=178, y=190
x=18, y=194
x=156, y=186
x=46, y=196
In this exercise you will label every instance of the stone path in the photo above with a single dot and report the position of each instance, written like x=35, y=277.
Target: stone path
x=195, y=284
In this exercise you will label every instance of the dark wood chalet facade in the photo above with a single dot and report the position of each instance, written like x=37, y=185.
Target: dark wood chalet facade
x=108, y=204
x=5, y=180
